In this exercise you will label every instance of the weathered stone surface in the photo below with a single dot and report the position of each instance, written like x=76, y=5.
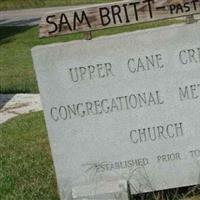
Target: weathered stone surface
x=107, y=190
x=13, y=105
x=124, y=107
x=114, y=14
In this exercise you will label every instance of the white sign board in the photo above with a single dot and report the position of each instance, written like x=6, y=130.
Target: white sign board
x=124, y=107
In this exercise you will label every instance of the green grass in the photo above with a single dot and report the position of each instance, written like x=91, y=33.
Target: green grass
x=26, y=169
x=16, y=70
x=20, y=4
x=17, y=74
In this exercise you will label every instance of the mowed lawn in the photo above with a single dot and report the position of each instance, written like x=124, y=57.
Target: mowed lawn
x=16, y=68
x=26, y=167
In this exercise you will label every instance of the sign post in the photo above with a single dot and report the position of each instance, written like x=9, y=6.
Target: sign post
x=122, y=112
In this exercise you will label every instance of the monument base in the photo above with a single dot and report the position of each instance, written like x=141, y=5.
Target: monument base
x=112, y=190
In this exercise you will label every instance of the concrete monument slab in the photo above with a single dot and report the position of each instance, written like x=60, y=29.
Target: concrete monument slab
x=124, y=107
